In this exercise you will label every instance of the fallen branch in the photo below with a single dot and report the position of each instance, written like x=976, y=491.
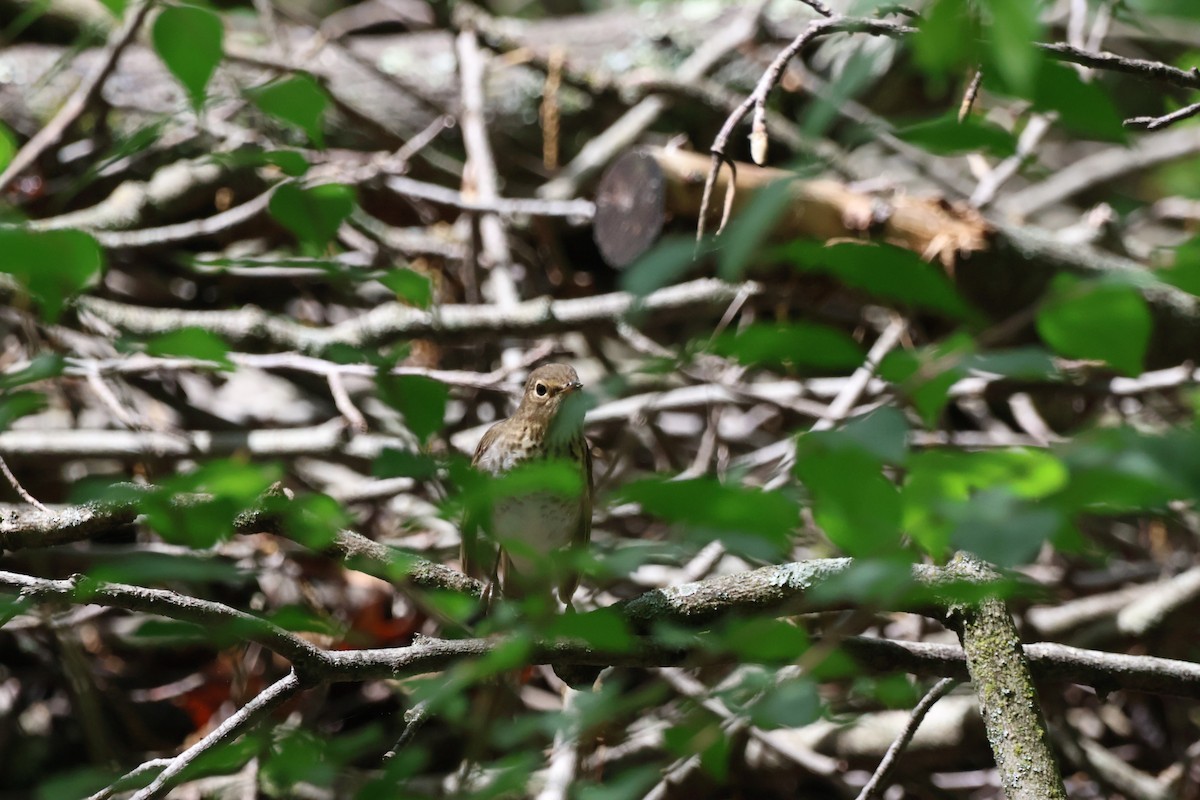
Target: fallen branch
x=644, y=188
x=393, y=321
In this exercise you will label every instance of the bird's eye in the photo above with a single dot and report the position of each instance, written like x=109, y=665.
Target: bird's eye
x=540, y=389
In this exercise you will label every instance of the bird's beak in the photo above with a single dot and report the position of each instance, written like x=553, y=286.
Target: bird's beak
x=574, y=387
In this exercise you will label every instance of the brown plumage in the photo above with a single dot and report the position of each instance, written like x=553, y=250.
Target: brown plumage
x=533, y=531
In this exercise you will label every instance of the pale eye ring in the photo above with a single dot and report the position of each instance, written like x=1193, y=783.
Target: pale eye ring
x=540, y=389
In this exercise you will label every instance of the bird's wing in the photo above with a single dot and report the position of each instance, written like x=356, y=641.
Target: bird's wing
x=485, y=443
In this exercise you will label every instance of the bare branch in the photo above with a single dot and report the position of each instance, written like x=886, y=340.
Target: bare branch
x=393, y=321
x=246, y=718
x=1154, y=123
x=20, y=490
x=887, y=766
x=83, y=97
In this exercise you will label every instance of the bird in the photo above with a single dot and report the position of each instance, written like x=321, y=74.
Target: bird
x=525, y=546
x=528, y=531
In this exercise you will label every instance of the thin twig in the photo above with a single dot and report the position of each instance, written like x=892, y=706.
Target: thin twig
x=770, y=79
x=601, y=149
x=1154, y=123
x=1100, y=167
x=1147, y=70
x=809, y=760
x=238, y=723
x=883, y=772
x=583, y=210
x=849, y=396
x=110, y=401
x=341, y=399
x=481, y=169
x=417, y=143
x=83, y=96
x=859, y=380
x=1027, y=144
x=120, y=784
x=819, y=7
x=414, y=719
x=16, y=484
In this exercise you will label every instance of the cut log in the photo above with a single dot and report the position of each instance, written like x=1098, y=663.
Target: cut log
x=644, y=189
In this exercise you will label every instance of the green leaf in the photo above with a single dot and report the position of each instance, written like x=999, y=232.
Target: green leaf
x=1027, y=363
x=145, y=569
x=947, y=136
x=883, y=271
x=882, y=433
x=229, y=487
x=945, y=42
x=52, y=265
x=409, y=285
x=313, y=215
x=73, y=782
x=704, y=738
x=881, y=581
x=169, y=632
x=761, y=640
x=790, y=345
x=8, y=146
x=297, y=756
x=1121, y=469
x=299, y=618
x=1185, y=272
x=892, y=691
x=43, y=367
x=188, y=40
x=14, y=405
x=1002, y=529
x=852, y=77
x=191, y=342
x=751, y=520
x=1084, y=108
x=632, y=783
x=298, y=100
x=313, y=520
x=940, y=484
x=1010, y=38
x=852, y=501
x=743, y=239
x=790, y=704
x=289, y=162
x=421, y=400
x=603, y=629
x=926, y=375
x=393, y=463
x=1096, y=320
x=553, y=476
x=663, y=264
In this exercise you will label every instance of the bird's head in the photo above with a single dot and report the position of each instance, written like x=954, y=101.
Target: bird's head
x=547, y=387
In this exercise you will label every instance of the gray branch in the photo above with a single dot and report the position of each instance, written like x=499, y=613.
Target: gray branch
x=393, y=321
x=1004, y=685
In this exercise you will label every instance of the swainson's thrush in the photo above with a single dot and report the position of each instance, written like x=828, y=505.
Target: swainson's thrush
x=529, y=536
x=532, y=530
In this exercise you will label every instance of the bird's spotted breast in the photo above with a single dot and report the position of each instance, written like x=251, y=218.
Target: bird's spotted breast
x=513, y=446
